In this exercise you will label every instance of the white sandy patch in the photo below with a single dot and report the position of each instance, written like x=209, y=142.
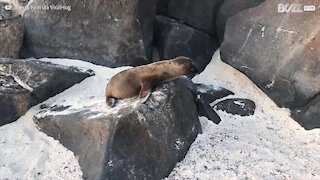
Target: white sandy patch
x=267, y=145
x=26, y=153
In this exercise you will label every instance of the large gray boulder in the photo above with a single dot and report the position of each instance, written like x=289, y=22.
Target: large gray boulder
x=279, y=52
x=228, y=9
x=131, y=140
x=25, y=83
x=198, y=14
x=111, y=33
x=11, y=37
x=175, y=39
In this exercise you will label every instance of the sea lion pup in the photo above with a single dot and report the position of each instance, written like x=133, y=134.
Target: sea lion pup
x=141, y=80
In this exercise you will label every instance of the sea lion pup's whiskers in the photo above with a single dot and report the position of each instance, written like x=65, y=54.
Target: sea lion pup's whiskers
x=141, y=80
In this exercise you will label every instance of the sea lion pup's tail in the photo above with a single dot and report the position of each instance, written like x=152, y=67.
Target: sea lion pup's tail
x=111, y=102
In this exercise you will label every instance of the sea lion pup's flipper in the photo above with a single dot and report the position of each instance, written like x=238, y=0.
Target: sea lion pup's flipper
x=145, y=91
x=144, y=99
x=111, y=102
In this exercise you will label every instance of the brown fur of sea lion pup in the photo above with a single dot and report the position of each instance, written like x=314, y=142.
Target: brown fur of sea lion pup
x=141, y=80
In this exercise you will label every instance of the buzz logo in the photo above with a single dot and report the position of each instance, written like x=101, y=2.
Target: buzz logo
x=295, y=8
x=290, y=8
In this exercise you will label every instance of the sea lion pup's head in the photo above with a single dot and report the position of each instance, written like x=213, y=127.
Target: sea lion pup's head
x=188, y=65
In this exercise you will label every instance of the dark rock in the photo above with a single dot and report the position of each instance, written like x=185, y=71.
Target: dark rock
x=277, y=51
x=204, y=95
x=129, y=141
x=162, y=7
x=237, y=106
x=44, y=106
x=210, y=93
x=309, y=115
x=203, y=106
x=58, y=108
x=109, y=33
x=207, y=94
x=11, y=37
x=199, y=14
x=204, y=109
x=228, y=9
x=25, y=83
x=175, y=39
x=14, y=99
x=189, y=84
x=5, y=13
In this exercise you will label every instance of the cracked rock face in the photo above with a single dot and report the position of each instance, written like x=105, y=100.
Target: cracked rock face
x=198, y=14
x=131, y=140
x=25, y=83
x=228, y=9
x=175, y=39
x=280, y=53
x=111, y=33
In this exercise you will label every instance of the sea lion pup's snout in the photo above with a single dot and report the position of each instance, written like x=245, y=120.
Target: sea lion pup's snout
x=193, y=69
x=189, y=66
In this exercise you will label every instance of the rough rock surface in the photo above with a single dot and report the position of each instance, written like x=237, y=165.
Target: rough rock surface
x=14, y=99
x=109, y=33
x=11, y=37
x=25, y=83
x=279, y=52
x=175, y=39
x=198, y=14
x=131, y=140
x=228, y=9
